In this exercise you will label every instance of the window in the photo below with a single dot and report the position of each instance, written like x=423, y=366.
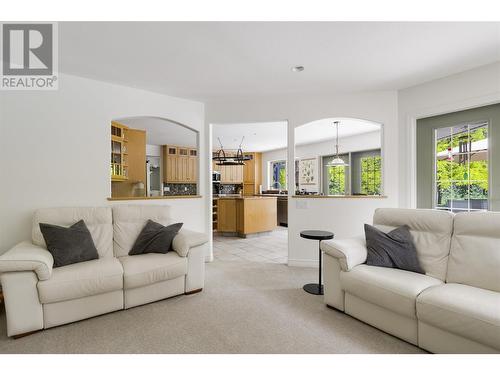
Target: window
x=335, y=177
x=278, y=175
x=461, y=168
x=336, y=180
x=371, y=173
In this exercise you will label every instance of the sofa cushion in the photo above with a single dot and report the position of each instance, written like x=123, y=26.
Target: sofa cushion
x=431, y=231
x=394, y=249
x=82, y=280
x=69, y=245
x=129, y=220
x=99, y=221
x=146, y=269
x=475, y=250
x=394, y=289
x=155, y=238
x=464, y=310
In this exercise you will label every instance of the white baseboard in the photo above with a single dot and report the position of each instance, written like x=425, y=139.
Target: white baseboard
x=303, y=263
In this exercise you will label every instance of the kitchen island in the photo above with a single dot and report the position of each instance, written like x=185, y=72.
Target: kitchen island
x=245, y=215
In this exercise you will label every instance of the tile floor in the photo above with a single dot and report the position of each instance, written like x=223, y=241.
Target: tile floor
x=266, y=248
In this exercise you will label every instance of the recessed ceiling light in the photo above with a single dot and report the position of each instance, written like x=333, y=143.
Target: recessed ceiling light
x=298, y=68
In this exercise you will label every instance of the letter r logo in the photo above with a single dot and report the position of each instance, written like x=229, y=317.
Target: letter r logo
x=27, y=49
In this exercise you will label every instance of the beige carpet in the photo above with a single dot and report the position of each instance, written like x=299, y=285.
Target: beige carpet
x=246, y=307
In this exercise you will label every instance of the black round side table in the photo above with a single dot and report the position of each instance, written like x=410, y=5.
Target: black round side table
x=318, y=235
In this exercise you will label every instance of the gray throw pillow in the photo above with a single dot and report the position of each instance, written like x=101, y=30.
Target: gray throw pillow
x=155, y=238
x=394, y=249
x=69, y=245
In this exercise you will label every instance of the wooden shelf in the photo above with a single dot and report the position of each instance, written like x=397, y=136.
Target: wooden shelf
x=118, y=162
x=118, y=139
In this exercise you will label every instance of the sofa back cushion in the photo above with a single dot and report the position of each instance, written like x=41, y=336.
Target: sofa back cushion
x=129, y=220
x=475, y=250
x=98, y=220
x=431, y=231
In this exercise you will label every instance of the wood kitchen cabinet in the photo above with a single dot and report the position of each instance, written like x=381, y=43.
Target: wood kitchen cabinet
x=229, y=174
x=180, y=164
x=252, y=173
x=133, y=163
x=119, y=166
x=245, y=215
x=226, y=215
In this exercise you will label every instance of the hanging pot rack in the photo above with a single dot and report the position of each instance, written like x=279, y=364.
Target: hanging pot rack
x=221, y=158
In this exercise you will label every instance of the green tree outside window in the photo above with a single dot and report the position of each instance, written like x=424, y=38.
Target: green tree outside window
x=336, y=176
x=371, y=175
x=462, y=177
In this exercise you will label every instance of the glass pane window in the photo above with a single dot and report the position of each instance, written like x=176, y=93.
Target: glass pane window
x=461, y=171
x=278, y=175
x=336, y=180
x=371, y=175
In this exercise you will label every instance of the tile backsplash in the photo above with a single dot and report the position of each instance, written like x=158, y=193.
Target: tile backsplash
x=180, y=189
x=230, y=188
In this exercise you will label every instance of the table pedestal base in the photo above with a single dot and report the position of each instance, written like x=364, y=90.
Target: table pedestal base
x=314, y=289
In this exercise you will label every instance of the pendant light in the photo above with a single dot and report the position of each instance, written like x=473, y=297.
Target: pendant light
x=337, y=161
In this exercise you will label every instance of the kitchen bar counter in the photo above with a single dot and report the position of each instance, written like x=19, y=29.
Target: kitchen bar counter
x=340, y=196
x=244, y=215
x=272, y=195
x=243, y=197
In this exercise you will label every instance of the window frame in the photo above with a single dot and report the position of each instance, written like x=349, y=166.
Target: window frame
x=486, y=122
x=373, y=157
x=324, y=174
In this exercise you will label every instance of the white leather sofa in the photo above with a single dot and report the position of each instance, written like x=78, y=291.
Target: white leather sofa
x=38, y=296
x=453, y=308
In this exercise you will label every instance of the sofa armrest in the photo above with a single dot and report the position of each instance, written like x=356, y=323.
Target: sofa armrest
x=187, y=239
x=27, y=257
x=350, y=252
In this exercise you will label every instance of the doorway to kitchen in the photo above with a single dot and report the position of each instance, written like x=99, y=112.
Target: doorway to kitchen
x=249, y=194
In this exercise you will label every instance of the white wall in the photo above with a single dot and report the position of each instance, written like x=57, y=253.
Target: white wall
x=470, y=89
x=153, y=150
x=327, y=213
x=359, y=142
x=55, y=147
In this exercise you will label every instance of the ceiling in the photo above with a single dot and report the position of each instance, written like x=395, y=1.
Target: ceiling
x=267, y=136
x=161, y=131
x=323, y=130
x=259, y=137
x=216, y=60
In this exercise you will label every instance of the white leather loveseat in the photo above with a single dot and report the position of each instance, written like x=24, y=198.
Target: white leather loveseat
x=38, y=296
x=453, y=308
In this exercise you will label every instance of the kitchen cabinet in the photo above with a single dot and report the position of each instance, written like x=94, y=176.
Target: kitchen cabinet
x=226, y=215
x=283, y=211
x=180, y=164
x=252, y=173
x=119, y=166
x=229, y=174
x=215, y=205
x=135, y=165
x=192, y=171
x=246, y=215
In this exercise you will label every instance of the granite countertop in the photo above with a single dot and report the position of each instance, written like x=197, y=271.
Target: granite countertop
x=272, y=195
x=247, y=197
